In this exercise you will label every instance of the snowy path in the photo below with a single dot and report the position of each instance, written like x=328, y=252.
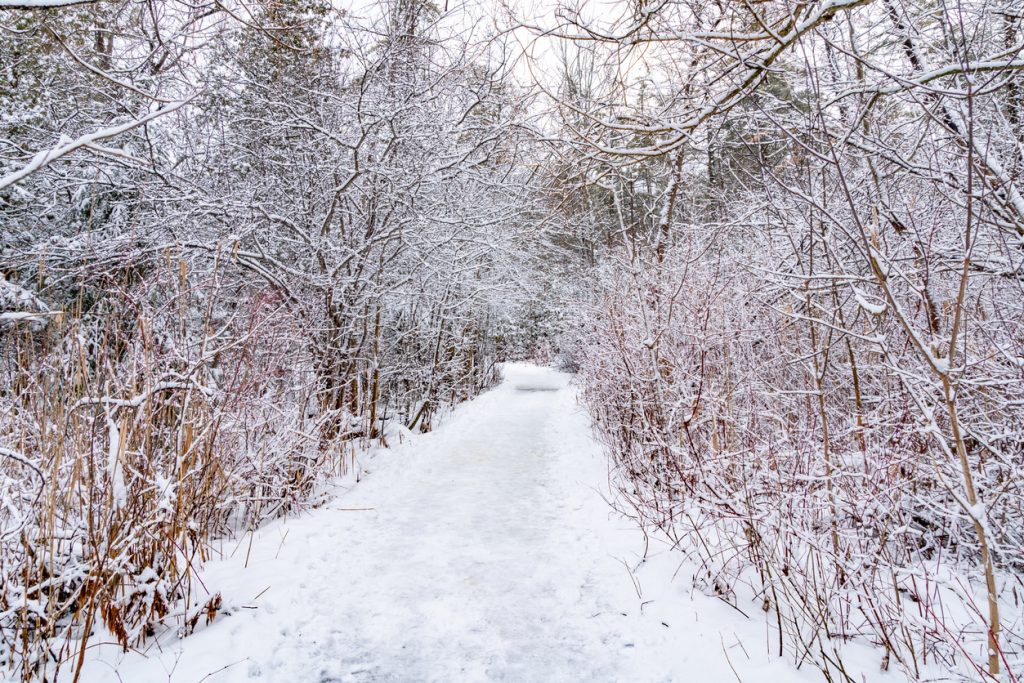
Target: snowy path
x=488, y=555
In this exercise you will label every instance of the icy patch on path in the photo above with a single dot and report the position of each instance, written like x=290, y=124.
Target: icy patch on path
x=481, y=552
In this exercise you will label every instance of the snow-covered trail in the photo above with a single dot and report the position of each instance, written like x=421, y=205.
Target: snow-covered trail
x=487, y=554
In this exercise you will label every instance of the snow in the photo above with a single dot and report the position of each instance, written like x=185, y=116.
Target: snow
x=483, y=551
x=19, y=304
x=40, y=4
x=114, y=463
x=869, y=307
x=66, y=146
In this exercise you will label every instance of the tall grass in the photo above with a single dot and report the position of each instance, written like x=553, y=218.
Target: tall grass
x=165, y=408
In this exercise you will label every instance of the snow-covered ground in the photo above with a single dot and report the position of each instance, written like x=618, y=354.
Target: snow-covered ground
x=482, y=551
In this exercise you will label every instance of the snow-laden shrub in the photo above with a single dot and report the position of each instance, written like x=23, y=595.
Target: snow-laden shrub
x=173, y=403
x=798, y=465
x=137, y=430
